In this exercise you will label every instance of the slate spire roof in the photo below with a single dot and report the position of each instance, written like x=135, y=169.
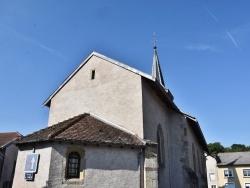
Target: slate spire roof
x=85, y=128
x=156, y=68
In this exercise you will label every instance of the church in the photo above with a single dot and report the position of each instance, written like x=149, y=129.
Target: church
x=109, y=126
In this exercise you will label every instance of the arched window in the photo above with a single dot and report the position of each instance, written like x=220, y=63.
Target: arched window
x=73, y=167
x=194, y=159
x=161, y=149
x=199, y=164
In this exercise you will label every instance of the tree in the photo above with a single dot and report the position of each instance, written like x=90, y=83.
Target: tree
x=239, y=147
x=216, y=148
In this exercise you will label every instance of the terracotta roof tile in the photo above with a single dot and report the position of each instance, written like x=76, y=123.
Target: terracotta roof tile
x=7, y=137
x=87, y=129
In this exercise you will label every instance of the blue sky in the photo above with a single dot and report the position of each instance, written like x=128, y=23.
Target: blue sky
x=203, y=47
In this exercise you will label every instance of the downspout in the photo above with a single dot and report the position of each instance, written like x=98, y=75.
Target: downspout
x=141, y=163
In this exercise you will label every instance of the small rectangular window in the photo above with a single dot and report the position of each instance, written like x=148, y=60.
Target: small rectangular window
x=213, y=186
x=246, y=172
x=212, y=176
x=228, y=173
x=247, y=185
x=93, y=74
x=229, y=185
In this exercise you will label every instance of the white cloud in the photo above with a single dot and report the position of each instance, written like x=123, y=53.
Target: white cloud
x=212, y=15
x=52, y=51
x=229, y=35
x=232, y=39
x=242, y=33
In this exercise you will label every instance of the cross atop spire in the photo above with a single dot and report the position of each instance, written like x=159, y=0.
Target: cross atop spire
x=154, y=41
x=156, y=69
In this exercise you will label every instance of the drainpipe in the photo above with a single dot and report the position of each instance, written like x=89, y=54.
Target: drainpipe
x=141, y=163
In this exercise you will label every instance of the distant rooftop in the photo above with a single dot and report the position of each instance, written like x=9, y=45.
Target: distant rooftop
x=233, y=158
x=6, y=138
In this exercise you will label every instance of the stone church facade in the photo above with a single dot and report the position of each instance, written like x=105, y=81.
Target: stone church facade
x=111, y=125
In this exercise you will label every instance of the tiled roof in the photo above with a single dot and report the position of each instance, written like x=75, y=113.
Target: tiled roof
x=233, y=158
x=85, y=128
x=8, y=137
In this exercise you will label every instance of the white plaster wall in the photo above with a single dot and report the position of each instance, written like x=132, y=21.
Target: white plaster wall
x=114, y=94
x=211, y=168
x=42, y=175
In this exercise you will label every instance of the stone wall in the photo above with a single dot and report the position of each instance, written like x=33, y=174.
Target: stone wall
x=156, y=113
x=200, y=161
x=101, y=166
x=178, y=139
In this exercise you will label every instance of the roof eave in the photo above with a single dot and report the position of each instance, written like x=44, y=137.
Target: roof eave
x=6, y=145
x=156, y=85
x=18, y=143
x=198, y=130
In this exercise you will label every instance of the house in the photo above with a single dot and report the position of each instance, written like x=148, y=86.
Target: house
x=8, y=156
x=233, y=169
x=111, y=125
x=212, y=175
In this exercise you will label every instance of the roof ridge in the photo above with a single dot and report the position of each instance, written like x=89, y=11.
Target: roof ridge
x=48, y=127
x=189, y=116
x=74, y=120
x=117, y=126
x=10, y=132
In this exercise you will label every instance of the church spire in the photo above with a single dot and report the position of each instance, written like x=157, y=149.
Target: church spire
x=156, y=69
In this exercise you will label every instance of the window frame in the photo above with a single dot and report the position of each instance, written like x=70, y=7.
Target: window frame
x=232, y=183
x=229, y=170
x=248, y=172
x=68, y=176
x=245, y=185
x=212, y=175
x=213, y=186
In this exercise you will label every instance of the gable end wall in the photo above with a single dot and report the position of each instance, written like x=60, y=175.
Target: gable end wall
x=114, y=94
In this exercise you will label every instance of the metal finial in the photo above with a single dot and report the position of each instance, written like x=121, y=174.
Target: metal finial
x=154, y=41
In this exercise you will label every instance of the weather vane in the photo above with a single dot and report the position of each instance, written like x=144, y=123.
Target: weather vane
x=154, y=41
